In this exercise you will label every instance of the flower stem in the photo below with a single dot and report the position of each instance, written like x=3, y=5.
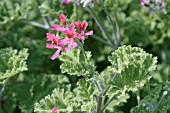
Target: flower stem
x=82, y=49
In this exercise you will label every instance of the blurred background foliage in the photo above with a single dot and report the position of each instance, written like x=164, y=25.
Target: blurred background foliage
x=24, y=23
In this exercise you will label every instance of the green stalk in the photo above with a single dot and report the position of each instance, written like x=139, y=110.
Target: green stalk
x=138, y=96
x=107, y=103
x=101, y=40
x=100, y=24
x=163, y=95
x=112, y=24
x=83, y=51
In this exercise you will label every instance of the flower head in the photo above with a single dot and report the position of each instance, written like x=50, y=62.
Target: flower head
x=56, y=44
x=144, y=2
x=82, y=28
x=81, y=25
x=71, y=36
x=154, y=5
x=66, y=1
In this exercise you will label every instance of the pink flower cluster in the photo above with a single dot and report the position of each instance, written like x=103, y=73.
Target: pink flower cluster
x=71, y=36
x=154, y=5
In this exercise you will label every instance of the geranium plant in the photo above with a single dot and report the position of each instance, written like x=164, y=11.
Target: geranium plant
x=84, y=56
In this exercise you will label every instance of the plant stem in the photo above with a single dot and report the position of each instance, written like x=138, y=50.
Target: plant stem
x=163, y=95
x=104, y=92
x=100, y=24
x=112, y=24
x=99, y=102
x=37, y=25
x=138, y=96
x=82, y=49
x=107, y=103
x=3, y=88
x=100, y=97
x=101, y=40
x=98, y=87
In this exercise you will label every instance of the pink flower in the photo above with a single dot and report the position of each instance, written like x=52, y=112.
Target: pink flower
x=54, y=109
x=82, y=28
x=56, y=44
x=81, y=25
x=70, y=35
x=66, y=1
x=63, y=21
x=72, y=26
x=144, y=2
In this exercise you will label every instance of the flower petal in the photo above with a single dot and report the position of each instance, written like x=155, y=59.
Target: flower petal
x=72, y=26
x=84, y=25
x=78, y=25
x=51, y=46
x=68, y=47
x=57, y=27
x=54, y=109
x=82, y=38
x=89, y=33
x=74, y=44
x=70, y=33
x=63, y=19
x=55, y=54
x=63, y=41
x=50, y=36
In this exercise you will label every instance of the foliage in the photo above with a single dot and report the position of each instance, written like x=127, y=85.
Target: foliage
x=37, y=87
x=133, y=66
x=12, y=62
x=122, y=59
x=13, y=10
x=74, y=63
x=162, y=73
x=153, y=103
x=58, y=97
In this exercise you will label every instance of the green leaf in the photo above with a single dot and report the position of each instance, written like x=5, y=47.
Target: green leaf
x=86, y=95
x=139, y=109
x=74, y=63
x=63, y=100
x=13, y=10
x=35, y=89
x=162, y=73
x=133, y=66
x=12, y=62
x=118, y=99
